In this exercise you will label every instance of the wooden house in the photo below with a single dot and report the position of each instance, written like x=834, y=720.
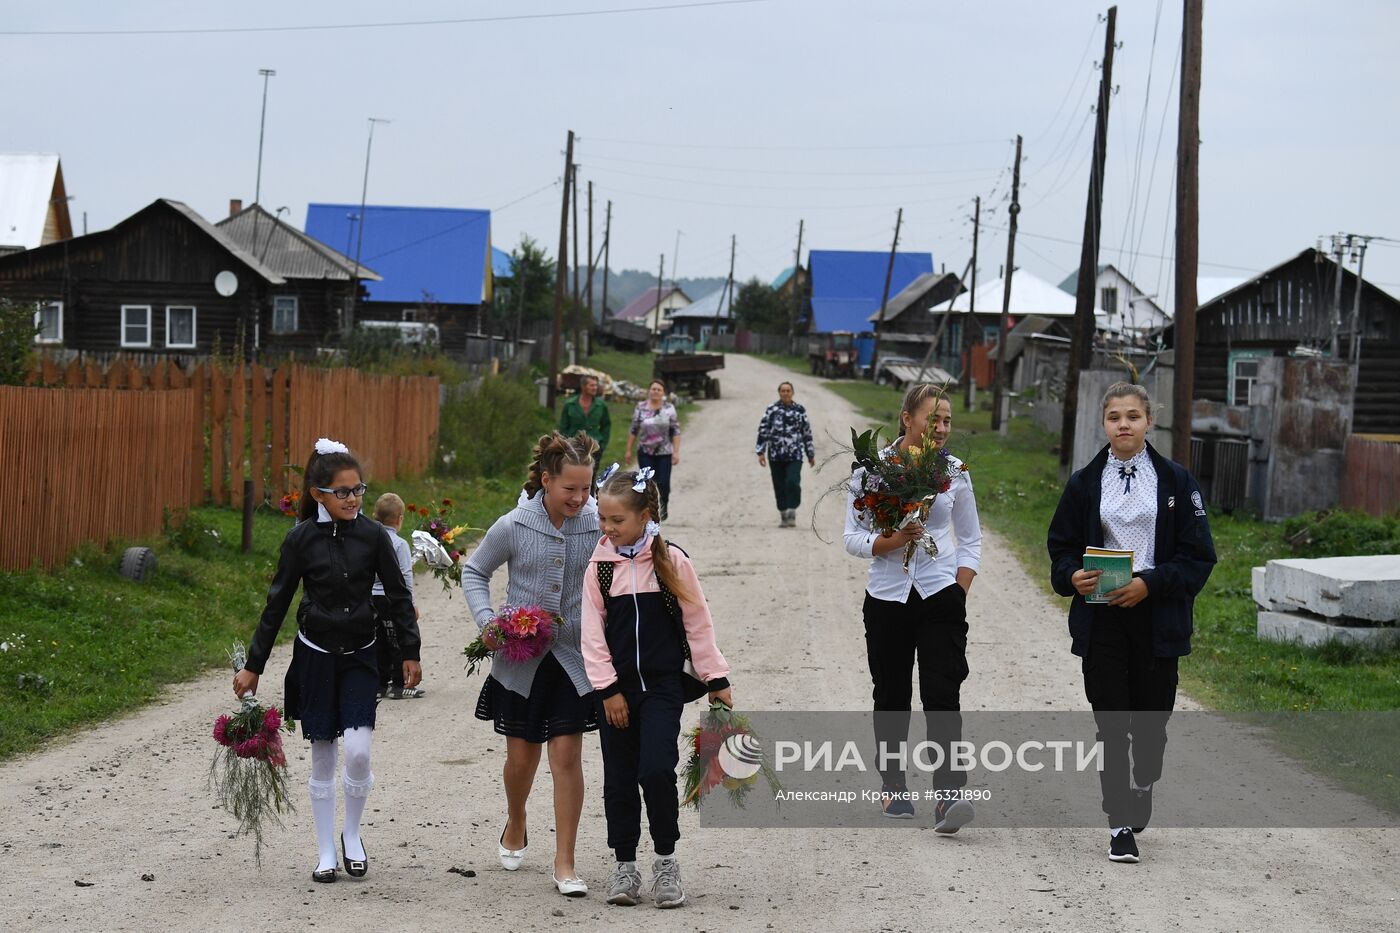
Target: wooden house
x=910, y=322
x=1289, y=310
x=307, y=310
x=164, y=280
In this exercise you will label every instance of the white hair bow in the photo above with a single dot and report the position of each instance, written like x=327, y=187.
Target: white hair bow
x=327, y=446
x=653, y=529
x=643, y=476
x=608, y=473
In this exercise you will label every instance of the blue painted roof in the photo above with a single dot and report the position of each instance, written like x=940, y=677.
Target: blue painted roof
x=847, y=284
x=782, y=278
x=441, y=253
x=501, y=264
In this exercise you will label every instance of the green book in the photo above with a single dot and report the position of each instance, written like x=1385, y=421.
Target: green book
x=1117, y=567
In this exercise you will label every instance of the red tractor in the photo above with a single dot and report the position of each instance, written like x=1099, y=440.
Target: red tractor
x=832, y=355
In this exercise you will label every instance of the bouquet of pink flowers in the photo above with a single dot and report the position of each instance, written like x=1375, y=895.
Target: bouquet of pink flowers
x=519, y=633
x=249, y=771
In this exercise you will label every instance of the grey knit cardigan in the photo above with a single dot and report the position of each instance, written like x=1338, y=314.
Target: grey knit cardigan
x=546, y=567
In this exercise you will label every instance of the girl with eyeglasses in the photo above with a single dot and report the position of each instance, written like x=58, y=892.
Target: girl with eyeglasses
x=334, y=553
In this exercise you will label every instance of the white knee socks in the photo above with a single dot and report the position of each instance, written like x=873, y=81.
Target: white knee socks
x=358, y=779
x=321, y=786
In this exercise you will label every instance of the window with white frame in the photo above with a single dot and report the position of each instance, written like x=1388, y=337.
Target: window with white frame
x=179, y=326
x=48, y=322
x=1108, y=297
x=284, y=314
x=136, y=326
x=1244, y=373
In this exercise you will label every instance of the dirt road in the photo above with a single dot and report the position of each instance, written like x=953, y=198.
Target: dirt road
x=128, y=800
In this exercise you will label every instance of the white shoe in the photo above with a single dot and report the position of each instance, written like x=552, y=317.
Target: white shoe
x=511, y=858
x=570, y=887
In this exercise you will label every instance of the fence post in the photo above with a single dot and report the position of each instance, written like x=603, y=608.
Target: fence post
x=247, y=516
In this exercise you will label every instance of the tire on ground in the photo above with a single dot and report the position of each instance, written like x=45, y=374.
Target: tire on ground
x=138, y=563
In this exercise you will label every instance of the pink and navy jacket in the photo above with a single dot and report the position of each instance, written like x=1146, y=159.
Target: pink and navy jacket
x=634, y=637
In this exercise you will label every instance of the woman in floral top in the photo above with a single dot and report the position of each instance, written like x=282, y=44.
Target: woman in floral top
x=656, y=432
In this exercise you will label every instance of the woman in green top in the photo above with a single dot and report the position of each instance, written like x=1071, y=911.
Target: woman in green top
x=587, y=412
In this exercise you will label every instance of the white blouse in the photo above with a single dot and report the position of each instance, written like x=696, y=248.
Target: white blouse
x=1128, y=508
x=953, y=523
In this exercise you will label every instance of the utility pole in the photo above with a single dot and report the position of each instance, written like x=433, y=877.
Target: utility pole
x=360, y=232
x=262, y=129
x=560, y=274
x=592, y=264
x=660, y=278
x=728, y=285
x=796, y=285
x=607, y=243
x=999, y=418
x=1356, y=305
x=1340, y=246
x=1188, y=219
x=1081, y=352
x=578, y=349
x=885, y=297
x=967, y=340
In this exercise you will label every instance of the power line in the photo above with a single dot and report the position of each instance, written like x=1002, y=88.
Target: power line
x=648, y=142
x=395, y=24
x=1072, y=81
x=776, y=207
x=1056, y=239
x=784, y=171
x=769, y=187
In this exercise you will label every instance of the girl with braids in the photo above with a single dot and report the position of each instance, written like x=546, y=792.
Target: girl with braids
x=643, y=616
x=547, y=701
x=335, y=553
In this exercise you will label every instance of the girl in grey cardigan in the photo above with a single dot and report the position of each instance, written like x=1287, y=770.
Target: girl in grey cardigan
x=546, y=542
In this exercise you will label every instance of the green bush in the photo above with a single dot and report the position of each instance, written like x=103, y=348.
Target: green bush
x=1332, y=534
x=489, y=430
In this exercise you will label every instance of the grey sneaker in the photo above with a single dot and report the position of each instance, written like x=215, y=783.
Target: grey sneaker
x=412, y=693
x=625, y=889
x=666, y=890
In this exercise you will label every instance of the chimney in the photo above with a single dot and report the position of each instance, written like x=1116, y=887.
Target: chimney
x=234, y=206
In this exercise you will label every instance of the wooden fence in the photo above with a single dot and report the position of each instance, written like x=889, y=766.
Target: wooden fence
x=251, y=422
x=1371, y=475
x=90, y=465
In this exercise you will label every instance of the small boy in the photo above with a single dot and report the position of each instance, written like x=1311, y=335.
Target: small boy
x=389, y=511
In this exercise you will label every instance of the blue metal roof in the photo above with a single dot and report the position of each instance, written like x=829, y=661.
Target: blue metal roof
x=501, y=264
x=434, y=253
x=847, y=284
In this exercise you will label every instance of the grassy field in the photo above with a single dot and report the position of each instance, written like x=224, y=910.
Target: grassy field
x=83, y=644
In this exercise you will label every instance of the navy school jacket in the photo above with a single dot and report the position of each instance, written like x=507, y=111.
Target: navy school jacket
x=1185, y=552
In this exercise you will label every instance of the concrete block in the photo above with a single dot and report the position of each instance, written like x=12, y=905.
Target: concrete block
x=1295, y=628
x=1363, y=588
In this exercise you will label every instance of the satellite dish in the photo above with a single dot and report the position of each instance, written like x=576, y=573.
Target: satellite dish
x=226, y=283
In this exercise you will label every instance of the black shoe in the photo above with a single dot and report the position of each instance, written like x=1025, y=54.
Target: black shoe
x=895, y=804
x=355, y=868
x=324, y=877
x=1142, y=807
x=1122, y=847
x=952, y=815
x=396, y=693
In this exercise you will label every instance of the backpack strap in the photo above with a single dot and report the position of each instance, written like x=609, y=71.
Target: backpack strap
x=605, y=578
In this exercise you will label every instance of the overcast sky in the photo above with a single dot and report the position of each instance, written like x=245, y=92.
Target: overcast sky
x=737, y=118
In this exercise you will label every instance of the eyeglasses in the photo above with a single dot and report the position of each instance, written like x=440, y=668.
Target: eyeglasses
x=345, y=492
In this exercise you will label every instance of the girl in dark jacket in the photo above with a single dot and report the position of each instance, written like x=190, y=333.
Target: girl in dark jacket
x=1130, y=497
x=335, y=553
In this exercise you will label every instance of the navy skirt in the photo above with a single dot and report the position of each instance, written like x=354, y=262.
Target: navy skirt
x=329, y=693
x=552, y=709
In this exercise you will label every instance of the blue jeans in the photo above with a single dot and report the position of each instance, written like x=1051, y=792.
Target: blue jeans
x=662, y=466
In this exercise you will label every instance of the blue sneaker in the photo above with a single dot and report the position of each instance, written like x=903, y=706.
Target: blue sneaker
x=895, y=803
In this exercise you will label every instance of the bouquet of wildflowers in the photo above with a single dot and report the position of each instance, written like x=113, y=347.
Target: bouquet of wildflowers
x=897, y=487
x=520, y=633
x=436, y=542
x=724, y=752
x=249, y=771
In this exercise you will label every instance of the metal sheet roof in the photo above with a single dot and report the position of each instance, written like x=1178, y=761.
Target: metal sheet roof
x=643, y=304
x=502, y=266
x=286, y=250
x=26, y=185
x=847, y=284
x=440, y=254
x=714, y=305
x=216, y=234
x=1030, y=294
x=911, y=293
